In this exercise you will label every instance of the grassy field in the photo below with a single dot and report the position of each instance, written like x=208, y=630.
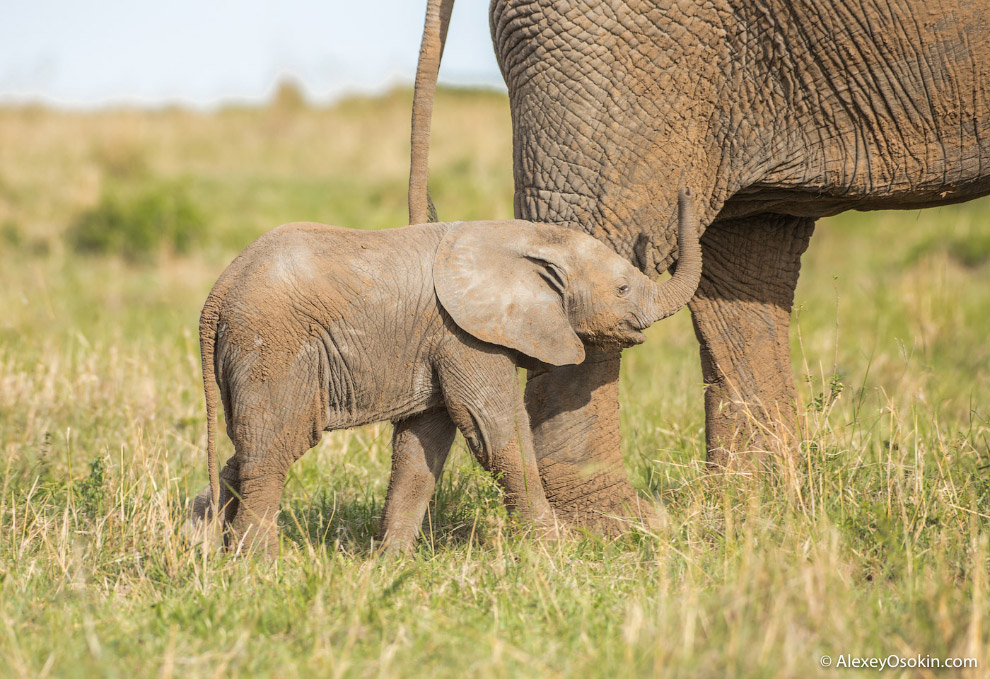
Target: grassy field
x=113, y=227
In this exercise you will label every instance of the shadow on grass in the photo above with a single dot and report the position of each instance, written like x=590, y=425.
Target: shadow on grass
x=465, y=506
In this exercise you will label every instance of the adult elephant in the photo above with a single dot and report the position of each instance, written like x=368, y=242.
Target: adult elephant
x=776, y=112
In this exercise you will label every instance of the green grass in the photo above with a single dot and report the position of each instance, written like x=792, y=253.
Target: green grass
x=875, y=543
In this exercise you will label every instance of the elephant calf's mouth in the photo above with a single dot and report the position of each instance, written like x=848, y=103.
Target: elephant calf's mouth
x=631, y=334
x=625, y=334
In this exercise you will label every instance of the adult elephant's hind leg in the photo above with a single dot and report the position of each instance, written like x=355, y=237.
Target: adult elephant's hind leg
x=574, y=413
x=420, y=445
x=741, y=317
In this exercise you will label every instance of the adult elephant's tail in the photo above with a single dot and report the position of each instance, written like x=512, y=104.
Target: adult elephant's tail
x=430, y=53
x=207, y=345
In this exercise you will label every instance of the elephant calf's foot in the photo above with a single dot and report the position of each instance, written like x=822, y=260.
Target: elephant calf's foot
x=544, y=526
x=200, y=526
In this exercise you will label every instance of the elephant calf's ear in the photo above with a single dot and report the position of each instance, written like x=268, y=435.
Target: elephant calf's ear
x=498, y=283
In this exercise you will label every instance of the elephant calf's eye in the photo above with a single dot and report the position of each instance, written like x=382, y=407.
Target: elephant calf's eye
x=623, y=289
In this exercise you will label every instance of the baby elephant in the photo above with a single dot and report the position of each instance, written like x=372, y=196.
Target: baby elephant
x=315, y=328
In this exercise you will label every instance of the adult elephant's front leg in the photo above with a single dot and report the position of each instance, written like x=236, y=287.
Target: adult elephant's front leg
x=741, y=317
x=574, y=413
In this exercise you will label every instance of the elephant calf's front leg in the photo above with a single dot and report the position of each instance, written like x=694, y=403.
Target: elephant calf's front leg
x=507, y=452
x=486, y=405
x=419, y=449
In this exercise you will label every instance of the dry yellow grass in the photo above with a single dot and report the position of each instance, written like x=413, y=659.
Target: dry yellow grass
x=875, y=543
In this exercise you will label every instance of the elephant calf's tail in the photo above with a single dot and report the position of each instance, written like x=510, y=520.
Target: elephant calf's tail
x=207, y=344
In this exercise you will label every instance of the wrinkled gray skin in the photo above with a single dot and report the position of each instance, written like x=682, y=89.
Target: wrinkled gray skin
x=315, y=328
x=777, y=112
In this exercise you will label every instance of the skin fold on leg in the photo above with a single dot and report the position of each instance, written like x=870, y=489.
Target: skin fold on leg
x=741, y=317
x=483, y=399
x=503, y=445
x=420, y=445
x=514, y=464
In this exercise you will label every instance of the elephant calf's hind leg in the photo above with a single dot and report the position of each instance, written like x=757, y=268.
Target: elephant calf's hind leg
x=272, y=424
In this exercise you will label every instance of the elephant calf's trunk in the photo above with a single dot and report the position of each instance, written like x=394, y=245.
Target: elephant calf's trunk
x=675, y=293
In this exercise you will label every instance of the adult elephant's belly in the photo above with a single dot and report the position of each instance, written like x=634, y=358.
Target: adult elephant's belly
x=819, y=202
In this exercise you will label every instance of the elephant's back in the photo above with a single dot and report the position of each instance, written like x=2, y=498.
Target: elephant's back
x=310, y=251
x=318, y=268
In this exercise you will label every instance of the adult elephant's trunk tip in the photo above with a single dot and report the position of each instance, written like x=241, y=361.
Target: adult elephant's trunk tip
x=673, y=294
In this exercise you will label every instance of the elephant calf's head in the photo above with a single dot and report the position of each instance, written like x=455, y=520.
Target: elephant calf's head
x=544, y=290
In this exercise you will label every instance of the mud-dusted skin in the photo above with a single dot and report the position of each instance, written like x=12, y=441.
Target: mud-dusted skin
x=776, y=113
x=315, y=328
x=804, y=108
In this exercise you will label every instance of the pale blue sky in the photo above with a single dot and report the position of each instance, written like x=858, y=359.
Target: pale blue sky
x=203, y=52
